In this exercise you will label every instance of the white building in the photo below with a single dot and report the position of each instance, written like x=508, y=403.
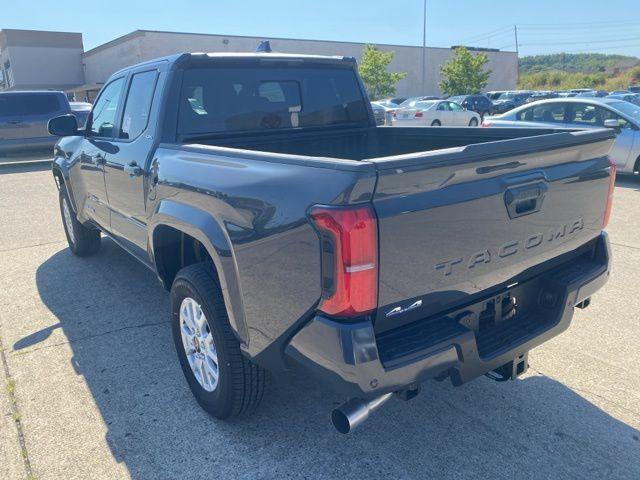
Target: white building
x=100, y=62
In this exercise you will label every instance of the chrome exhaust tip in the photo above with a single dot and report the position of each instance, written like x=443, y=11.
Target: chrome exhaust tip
x=355, y=411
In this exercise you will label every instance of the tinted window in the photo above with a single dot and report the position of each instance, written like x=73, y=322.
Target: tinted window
x=586, y=114
x=104, y=111
x=24, y=104
x=549, y=113
x=219, y=99
x=138, y=104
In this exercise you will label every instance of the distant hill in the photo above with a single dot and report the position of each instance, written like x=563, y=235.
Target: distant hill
x=575, y=62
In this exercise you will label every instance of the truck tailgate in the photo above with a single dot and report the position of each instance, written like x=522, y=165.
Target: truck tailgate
x=471, y=220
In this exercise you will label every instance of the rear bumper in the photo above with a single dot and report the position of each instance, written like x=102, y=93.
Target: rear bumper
x=357, y=362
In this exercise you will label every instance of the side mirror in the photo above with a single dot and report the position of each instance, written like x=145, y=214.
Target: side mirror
x=612, y=123
x=63, y=126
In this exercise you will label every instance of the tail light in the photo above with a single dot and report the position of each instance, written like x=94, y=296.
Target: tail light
x=418, y=114
x=485, y=123
x=349, y=246
x=612, y=181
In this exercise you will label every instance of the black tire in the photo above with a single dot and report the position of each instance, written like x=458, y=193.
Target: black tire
x=436, y=123
x=82, y=241
x=241, y=383
x=473, y=122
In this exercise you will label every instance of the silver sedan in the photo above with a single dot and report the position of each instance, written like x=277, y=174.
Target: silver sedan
x=583, y=113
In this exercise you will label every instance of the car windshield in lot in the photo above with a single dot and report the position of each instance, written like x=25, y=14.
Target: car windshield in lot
x=222, y=99
x=628, y=109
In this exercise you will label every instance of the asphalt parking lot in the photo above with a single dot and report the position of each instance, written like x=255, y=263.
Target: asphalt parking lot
x=92, y=386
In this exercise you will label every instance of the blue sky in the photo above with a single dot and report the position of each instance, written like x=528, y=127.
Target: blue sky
x=544, y=26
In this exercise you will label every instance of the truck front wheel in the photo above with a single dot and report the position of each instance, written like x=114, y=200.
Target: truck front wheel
x=224, y=382
x=82, y=240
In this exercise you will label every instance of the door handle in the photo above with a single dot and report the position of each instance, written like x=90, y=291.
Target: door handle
x=132, y=169
x=15, y=122
x=525, y=199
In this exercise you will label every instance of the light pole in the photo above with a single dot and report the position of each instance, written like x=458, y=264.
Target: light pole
x=424, y=46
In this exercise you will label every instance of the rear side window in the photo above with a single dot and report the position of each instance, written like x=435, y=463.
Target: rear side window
x=549, y=113
x=138, y=105
x=103, y=115
x=250, y=98
x=25, y=104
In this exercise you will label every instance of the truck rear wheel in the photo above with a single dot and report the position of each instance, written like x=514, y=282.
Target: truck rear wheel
x=224, y=382
x=82, y=241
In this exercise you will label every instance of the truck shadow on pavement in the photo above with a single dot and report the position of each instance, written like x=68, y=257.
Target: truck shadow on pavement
x=115, y=316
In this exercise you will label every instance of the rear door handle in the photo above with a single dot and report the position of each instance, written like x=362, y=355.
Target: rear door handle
x=132, y=169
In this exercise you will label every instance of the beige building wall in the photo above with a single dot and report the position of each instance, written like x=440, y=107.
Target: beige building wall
x=42, y=60
x=139, y=46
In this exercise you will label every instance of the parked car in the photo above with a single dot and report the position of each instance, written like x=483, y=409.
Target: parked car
x=510, y=100
x=435, y=113
x=541, y=95
x=592, y=94
x=476, y=103
x=634, y=88
x=398, y=100
x=495, y=94
x=23, y=120
x=81, y=111
x=388, y=103
x=584, y=113
x=566, y=94
x=620, y=92
x=629, y=97
x=294, y=234
x=581, y=90
x=411, y=101
x=379, y=113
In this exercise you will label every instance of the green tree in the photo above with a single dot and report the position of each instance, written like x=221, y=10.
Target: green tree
x=464, y=73
x=373, y=69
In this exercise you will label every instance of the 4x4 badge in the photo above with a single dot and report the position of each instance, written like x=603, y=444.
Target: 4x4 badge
x=398, y=310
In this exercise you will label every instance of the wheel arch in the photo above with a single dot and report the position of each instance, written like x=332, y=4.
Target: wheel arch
x=180, y=230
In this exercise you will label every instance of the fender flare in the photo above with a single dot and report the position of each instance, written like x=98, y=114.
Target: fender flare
x=60, y=167
x=209, y=232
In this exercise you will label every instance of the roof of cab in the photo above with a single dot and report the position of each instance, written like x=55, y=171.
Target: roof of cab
x=181, y=60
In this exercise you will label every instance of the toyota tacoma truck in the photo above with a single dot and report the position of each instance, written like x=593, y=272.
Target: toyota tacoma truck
x=292, y=233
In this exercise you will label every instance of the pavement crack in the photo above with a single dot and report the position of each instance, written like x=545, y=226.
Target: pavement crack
x=15, y=412
x=633, y=247
x=30, y=246
x=90, y=337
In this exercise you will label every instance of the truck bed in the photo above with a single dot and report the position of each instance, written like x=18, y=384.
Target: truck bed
x=446, y=230
x=370, y=143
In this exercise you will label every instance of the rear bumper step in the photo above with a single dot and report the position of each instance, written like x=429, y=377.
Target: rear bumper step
x=463, y=344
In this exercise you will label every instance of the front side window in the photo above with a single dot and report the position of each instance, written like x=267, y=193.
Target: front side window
x=104, y=111
x=138, y=105
x=246, y=98
x=585, y=114
x=454, y=107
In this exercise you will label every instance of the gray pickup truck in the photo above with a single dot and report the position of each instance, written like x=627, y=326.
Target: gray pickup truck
x=294, y=233
x=24, y=116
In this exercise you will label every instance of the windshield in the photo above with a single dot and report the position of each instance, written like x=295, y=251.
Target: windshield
x=235, y=98
x=628, y=109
